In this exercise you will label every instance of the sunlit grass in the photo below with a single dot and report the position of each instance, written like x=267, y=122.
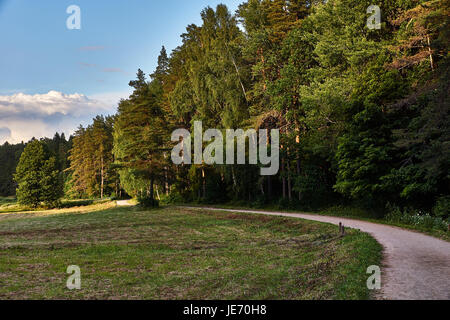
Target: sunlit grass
x=127, y=253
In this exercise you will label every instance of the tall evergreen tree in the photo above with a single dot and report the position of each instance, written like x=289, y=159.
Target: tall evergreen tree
x=91, y=159
x=9, y=158
x=140, y=134
x=37, y=176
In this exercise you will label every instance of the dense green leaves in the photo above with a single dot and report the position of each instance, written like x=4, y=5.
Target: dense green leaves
x=140, y=135
x=9, y=158
x=37, y=176
x=91, y=158
x=363, y=114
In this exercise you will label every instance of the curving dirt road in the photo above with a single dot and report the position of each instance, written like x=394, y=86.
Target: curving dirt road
x=415, y=266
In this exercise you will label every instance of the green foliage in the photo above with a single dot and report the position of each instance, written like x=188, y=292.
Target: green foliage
x=91, y=172
x=413, y=217
x=442, y=208
x=38, y=176
x=146, y=201
x=334, y=89
x=9, y=158
x=363, y=114
x=140, y=132
x=174, y=198
x=10, y=154
x=364, y=156
x=422, y=138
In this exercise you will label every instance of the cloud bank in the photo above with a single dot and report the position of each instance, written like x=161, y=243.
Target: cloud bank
x=24, y=116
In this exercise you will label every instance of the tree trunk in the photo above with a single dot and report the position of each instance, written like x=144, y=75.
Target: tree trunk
x=204, y=183
x=289, y=180
x=152, y=192
x=283, y=178
x=431, y=53
x=157, y=193
x=166, y=181
x=103, y=178
x=298, y=174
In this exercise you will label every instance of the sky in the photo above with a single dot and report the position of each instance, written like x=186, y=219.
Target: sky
x=53, y=78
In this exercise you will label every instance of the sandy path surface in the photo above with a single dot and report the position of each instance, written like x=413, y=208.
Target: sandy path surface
x=415, y=266
x=124, y=203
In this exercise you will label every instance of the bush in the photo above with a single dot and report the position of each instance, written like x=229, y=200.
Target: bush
x=442, y=208
x=174, y=198
x=147, y=202
x=415, y=218
x=440, y=224
x=75, y=203
x=283, y=204
x=426, y=221
x=259, y=202
x=394, y=213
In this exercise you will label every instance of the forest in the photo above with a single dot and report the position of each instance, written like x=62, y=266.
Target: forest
x=363, y=113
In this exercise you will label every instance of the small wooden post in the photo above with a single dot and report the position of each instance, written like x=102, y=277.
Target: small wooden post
x=341, y=229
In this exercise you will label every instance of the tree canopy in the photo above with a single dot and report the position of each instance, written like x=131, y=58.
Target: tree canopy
x=363, y=113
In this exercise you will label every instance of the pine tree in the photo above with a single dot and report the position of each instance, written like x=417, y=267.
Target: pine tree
x=37, y=176
x=140, y=134
x=162, y=68
x=423, y=34
x=9, y=158
x=91, y=159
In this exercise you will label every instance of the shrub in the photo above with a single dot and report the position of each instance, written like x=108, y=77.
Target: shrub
x=147, y=202
x=75, y=203
x=283, y=204
x=442, y=208
x=394, y=213
x=415, y=218
x=259, y=202
x=174, y=198
x=426, y=221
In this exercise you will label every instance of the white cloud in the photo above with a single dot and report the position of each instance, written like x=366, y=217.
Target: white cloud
x=48, y=104
x=25, y=116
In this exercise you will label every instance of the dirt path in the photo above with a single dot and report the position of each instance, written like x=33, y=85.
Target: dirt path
x=124, y=203
x=415, y=266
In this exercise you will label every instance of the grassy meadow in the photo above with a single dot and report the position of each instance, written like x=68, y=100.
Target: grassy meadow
x=177, y=253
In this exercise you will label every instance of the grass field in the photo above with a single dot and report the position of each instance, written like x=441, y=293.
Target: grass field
x=7, y=204
x=10, y=205
x=171, y=253
x=345, y=212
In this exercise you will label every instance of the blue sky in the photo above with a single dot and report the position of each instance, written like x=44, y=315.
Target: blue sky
x=40, y=55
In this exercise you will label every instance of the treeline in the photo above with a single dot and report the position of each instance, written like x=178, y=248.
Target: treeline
x=10, y=154
x=9, y=158
x=363, y=113
x=91, y=172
